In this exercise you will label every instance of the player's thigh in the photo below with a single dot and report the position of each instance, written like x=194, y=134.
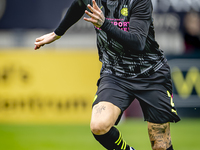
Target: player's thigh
x=104, y=116
x=159, y=135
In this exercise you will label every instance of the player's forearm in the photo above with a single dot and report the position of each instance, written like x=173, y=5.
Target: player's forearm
x=129, y=40
x=74, y=13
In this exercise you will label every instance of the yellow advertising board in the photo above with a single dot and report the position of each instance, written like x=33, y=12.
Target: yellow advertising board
x=185, y=73
x=47, y=86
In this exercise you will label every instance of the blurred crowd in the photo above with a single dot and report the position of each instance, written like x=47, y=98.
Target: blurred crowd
x=191, y=32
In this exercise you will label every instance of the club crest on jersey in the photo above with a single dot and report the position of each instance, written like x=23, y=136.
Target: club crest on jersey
x=124, y=10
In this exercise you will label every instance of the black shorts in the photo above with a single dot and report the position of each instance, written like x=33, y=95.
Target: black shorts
x=154, y=94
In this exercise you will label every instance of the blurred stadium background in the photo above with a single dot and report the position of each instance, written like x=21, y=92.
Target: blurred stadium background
x=46, y=96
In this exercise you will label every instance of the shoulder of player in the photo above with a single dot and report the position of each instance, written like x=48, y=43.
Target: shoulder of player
x=139, y=3
x=87, y=2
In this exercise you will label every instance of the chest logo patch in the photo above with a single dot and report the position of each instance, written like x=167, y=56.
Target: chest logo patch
x=124, y=11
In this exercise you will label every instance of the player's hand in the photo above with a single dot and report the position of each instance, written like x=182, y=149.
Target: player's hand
x=97, y=16
x=45, y=39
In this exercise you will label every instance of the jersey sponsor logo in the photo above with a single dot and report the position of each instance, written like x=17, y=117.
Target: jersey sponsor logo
x=120, y=23
x=124, y=10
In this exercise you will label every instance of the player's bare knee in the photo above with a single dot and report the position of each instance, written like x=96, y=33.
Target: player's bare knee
x=99, y=128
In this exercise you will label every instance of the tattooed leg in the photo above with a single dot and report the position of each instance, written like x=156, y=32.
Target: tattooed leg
x=159, y=135
x=104, y=116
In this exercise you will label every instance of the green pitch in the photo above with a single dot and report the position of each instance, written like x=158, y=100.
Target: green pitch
x=185, y=135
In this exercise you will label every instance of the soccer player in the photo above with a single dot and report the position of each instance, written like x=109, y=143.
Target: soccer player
x=133, y=67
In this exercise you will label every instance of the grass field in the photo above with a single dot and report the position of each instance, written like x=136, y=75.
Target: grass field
x=185, y=136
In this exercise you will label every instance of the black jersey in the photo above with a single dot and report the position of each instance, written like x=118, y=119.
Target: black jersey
x=126, y=41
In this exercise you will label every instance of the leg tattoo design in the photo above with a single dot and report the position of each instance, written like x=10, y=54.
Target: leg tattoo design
x=159, y=135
